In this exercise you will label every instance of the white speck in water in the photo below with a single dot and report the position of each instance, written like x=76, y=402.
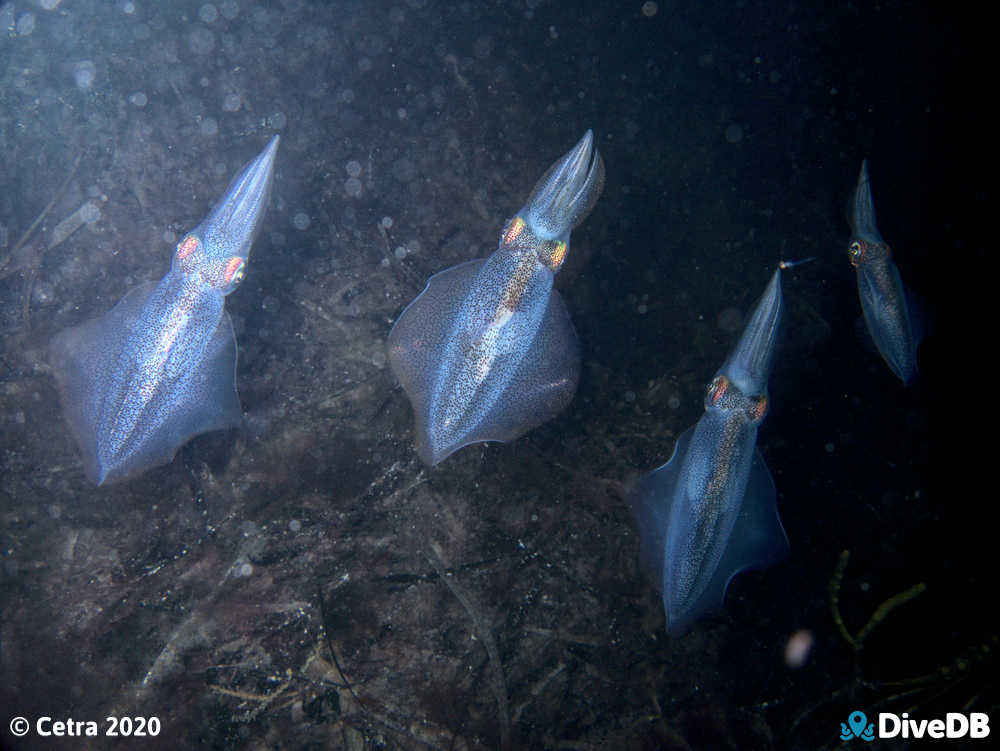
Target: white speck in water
x=84, y=73
x=208, y=13
x=42, y=293
x=277, y=121
x=230, y=9
x=90, y=212
x=354, y=168
x=401, y=113
x=128, y=8
x=231, y=103
x=50, y=4
x=139, y=99
x=25, y=25
x=301, y=220
x=404, y=170
x=294, y=525
x=246, y=569
x=387, y=222
x=209, y=127
x=353, y=187
x=674, y=402
x=201, y=41
x=400, y=252
x=798, y=647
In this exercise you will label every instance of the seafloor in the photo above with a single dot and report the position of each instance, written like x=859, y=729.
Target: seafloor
x=303, y=581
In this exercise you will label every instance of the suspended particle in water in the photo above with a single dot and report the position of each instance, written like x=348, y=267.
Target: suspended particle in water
x=209, y=127
x=84, y=73
x=353, y=187
x=43, y=293
x=201, y=41
x=25, y=25
x=301, y=221
x=649, y=9
x=208, y=13
x=798, y=647
x=734, y=133
x=230, y=9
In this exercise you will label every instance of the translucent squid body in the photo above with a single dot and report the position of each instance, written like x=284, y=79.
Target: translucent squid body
x=160, y=367
x=710, y=511
x=883, y=299
x=487, y=351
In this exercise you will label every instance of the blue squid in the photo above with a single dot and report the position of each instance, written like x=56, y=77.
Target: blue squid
x=160, y=368
x=487, y=351
x=883, y=298
x=710, y=512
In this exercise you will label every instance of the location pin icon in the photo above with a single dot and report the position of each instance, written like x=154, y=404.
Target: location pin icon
x=857, y=721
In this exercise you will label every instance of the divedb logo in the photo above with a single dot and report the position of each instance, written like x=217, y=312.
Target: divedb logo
x=973, y=725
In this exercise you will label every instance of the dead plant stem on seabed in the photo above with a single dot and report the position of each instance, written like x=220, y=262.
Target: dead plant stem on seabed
x=36, y=261
x=485, y=635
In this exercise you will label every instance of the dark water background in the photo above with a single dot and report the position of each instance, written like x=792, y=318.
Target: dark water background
x=495, y=599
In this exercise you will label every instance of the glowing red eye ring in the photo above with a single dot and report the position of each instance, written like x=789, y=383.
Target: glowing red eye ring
x=513, y=230
x=558, y=255
x=187, y=246
x=760, y=409
x=234, y=270
x=856, y=252
x=717, y=390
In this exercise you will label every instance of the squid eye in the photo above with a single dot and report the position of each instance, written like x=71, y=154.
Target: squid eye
x=187, y=246
x=552, y=254
x=717, y=389
x=856, y=252
x=235, y=270
x=760, y=408
x=513, y=230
